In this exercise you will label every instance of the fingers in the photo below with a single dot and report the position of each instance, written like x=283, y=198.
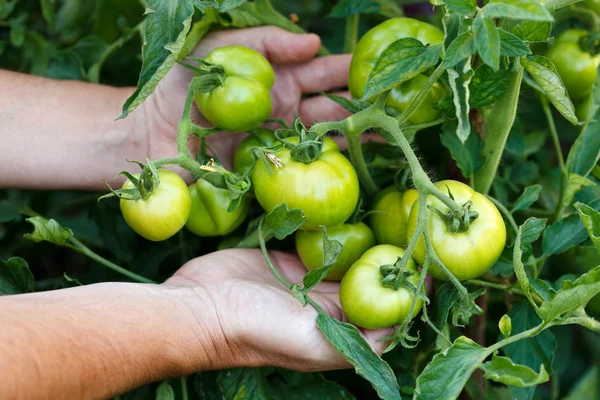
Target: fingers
x=276, y=44
x=320, y=108
x=323, y=73
x=372, y=337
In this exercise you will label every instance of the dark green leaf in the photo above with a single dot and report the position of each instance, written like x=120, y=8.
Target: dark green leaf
x=533, y=31
x=70, y=282
x=574, y=184
x=464, y=7
x=530, y=10
x=9, y=211
x=564, y=234
x=459, y=80
x=15, y=277
x=446, y=375
x=353, y=7
x=400, y=61
x=165, y=392
x=461, y=48
x=282, y=221
x=488, y=85
x=511, y=45
x=504, y=265
x=206, y=387
x=353, y=105
x=227, y=5
x=352, y=345
x=467, y=155
x=587, y=387
x=293, y=385
x=528, y=233
x=49, y=231
x=591, y=221
x=503, y=370
x=527, y=198
x=244, y=383
x=487, y=41
x=547, y=79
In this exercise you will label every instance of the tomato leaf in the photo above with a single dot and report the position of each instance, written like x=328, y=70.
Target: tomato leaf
x=586, y=387
x=449, y=303
x=165, y=392
x=528, y=233
x=488, y=85
x=461, y=48
x=446, y=375
x=48, y=230
x=15, y=277
x=591, y=221
x=459, y=80
x=346, y=339
x=545, y=76
x=574, y=184
x=352, y=7
x=244, y=383
x=533, y=31
x=282, y=221
x=527, y=198
x=331, y=251
x=400, y=61
x=353, y=105
x=563, y=234
x=467, y=155
x=463, y=7
x=511, y=45
x=530, y=10
x=487, y=41
x=503, y=370
x=573, y=295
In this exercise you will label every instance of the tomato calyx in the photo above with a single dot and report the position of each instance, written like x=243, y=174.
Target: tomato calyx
x=309, y=146
x=209, y=76
x=143, y=185
x=590, y=43
x=394, y=277
x=457, y=223
x=237, y=186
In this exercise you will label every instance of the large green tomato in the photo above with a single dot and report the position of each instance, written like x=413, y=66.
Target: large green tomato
x=466, y=254
x=163, y=213
x=370, y=47
x=391, y=209
x=243, y=101
x=356, y=239
x=209, y=215
x=243, y=157
x=593, y=5
x=326, y=190
x=366, y=302
x=576, y=67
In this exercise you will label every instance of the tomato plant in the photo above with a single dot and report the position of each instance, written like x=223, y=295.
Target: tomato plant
x=489, y=110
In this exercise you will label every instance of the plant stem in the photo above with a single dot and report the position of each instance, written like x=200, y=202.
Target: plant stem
x=554, y=135
x=81, y=248
x=416, y=102
x=492, y=285
x=358, y=160
x=498, y=121
x=351, y=33
x=184, y=392
x=507, y=214
x=263, y=248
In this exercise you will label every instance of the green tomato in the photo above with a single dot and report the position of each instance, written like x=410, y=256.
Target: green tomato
x=243, y=157
x=576, y=67
x=163, y=213
x=466, y=254
x=326, y=190
x=209, y=215
x=584, y=107
x=593, y=5
x=243, y=101
x=356, y=239
x=366, y=302
x=370, y=47
x=391, y=209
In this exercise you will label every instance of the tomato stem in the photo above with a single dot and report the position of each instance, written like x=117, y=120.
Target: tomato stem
x=358, y=160
x=351, y=38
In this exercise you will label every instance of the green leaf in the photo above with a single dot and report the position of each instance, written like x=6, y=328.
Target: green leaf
x=9, y=211
x=467, y=155
x=331, y=251
x=282, y=222
x=165, y=392
x=70, y=282
x=546, y=77
x=533, y=31
x=244, y=383
x=503, y=370
x=530, y=352
x=591, y=221
x=487, y=41
x=463, y=7
x=587, y=388
x=449, y=303
x=564, y=234
x=573, y=295
x=228, y=5
x=528, y=233
x=354, y=348
x=446, y=375
x=15, y=277
x=400, y=61
x=353, y=105
x=459, y=80
x=461, y=48
x=527, y=198
x=162, y=44
x=292, y=385
x=530, y=10
x=511, y=45
x=49, y=231
x=352, y=7
x=574, y=184
x=488, y=86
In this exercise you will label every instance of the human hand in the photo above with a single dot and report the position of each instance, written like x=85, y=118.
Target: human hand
x=297, y=73
x=260, y=322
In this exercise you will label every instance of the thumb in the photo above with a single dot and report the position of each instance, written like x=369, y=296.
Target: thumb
x=277, y=45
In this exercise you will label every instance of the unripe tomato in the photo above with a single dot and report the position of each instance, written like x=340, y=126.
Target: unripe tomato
x=366, y=302
x=243, y=101
x=370, y=47
x=326, y=190
x=466, y=254
x=163, y=213
x=209, y=215
x=243, y=157
x=391, y=209
x=593, y=5
x=576, y=67
x=356, y=239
